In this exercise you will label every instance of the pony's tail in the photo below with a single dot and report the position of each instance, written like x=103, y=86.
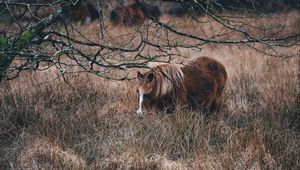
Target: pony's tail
x=217, y=69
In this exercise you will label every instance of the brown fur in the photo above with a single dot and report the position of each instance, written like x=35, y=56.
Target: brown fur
x=199, y=83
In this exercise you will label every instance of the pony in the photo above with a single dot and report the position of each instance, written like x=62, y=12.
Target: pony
x=198, y=84
x=134, y=14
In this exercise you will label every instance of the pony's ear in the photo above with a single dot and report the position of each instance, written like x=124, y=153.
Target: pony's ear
x=139, y=75
x=151, y=77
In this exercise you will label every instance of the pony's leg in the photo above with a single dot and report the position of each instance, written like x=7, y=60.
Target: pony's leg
x=216, y=104
x=214, y=107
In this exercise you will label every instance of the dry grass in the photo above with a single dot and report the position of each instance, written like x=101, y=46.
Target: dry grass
x=52, y=126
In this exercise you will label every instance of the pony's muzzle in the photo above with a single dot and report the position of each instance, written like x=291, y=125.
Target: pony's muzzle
x=140, y=114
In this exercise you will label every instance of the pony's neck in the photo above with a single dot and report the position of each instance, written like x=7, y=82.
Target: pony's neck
x=170, y=80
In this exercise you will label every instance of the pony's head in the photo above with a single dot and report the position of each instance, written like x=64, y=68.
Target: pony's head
x=146, y=85
x=160, y=81
x=146, y=82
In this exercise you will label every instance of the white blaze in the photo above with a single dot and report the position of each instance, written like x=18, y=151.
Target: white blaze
x=141, y=98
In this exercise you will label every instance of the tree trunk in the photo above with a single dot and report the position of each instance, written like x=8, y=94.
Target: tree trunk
x=25, y=38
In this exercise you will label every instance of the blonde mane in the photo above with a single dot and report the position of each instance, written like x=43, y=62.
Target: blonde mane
x=170, y=79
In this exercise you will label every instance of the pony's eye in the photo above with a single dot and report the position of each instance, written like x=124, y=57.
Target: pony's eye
x=150, y=77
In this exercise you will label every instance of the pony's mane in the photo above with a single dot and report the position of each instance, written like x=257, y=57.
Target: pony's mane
x=170, y=78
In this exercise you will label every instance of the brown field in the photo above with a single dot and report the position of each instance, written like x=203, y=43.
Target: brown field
x=46, y=124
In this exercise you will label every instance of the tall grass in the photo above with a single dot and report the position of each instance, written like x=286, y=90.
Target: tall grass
x=92, y=125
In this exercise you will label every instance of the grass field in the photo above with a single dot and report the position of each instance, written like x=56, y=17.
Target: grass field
x=94, y=126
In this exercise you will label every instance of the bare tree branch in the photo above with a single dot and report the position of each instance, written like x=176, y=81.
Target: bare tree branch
x=56, y=41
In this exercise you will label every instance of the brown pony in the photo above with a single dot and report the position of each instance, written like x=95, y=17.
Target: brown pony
x=199, y=83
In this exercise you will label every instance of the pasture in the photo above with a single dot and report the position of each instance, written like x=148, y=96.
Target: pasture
x=47, y=124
